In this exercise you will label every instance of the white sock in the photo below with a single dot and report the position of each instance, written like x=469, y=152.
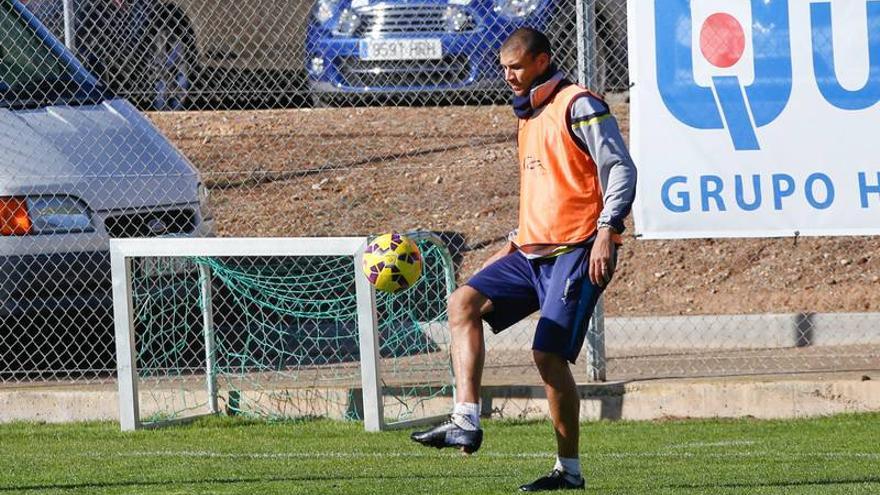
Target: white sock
x=466, y=415
x=571, y=466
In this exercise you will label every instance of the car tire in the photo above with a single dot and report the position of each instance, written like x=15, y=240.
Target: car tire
x=563, y=37
x=321, y=101
x=610, y=64
x=613, y=72
x=171, y=63
x=329, y=100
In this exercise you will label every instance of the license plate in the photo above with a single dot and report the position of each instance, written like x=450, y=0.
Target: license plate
x=159, y=266
x=401, y=50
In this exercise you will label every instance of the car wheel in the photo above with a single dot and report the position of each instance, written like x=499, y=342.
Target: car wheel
x=328, y=100
x=612, y=47
x=320, y=101
x=563, y=36
x=607, y=69
x=171, y=67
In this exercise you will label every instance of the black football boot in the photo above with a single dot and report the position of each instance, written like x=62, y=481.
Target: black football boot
x=449, y=434
x=553, y=481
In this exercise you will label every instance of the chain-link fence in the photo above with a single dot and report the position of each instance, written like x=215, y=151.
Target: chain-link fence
x=199, y=54
x=351, y=117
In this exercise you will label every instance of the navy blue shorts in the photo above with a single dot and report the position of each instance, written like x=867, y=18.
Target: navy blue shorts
x=559, y=286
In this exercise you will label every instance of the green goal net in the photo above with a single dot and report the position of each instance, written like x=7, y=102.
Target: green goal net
x=216, y=328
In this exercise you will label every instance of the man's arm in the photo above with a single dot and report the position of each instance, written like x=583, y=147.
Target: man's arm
x=596, y=130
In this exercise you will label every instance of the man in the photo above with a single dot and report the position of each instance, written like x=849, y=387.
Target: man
x=577, y=184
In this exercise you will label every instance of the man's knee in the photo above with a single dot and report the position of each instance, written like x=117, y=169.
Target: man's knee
x=551, y=366
x=466, y=304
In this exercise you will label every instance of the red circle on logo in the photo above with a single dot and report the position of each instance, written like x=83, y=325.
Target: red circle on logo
x=722, y=40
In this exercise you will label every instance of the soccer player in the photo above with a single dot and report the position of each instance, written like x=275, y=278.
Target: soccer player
x=577, y=184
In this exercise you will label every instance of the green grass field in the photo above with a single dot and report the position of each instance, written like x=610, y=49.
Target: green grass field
x=820, y=456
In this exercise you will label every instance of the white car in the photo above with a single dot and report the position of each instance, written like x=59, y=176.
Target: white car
x=77, y=167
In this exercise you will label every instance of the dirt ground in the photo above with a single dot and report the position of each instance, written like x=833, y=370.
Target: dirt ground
x=355, y=171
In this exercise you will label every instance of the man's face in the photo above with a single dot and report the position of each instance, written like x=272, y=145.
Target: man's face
x=521, y=68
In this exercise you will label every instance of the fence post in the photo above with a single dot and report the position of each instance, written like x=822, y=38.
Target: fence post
x=587, y=76
x=596, y=343
x=69, y=26
x=126, y=352
x=208, y=334
x=586, y=44
x=368, y=338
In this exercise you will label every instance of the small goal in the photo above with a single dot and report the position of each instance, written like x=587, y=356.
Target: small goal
x=277, y=328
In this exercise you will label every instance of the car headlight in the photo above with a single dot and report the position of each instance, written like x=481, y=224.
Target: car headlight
x=324, y=10
x=515, y=9
x=32, y=215
x=456, y=19
x=204, y=195
x=347, y=24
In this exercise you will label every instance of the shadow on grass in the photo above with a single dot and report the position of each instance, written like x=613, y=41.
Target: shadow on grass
x=231, y=481
x=225, y=422
x=789, y=483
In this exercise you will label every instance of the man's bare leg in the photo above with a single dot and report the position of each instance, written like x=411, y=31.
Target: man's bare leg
x=564, y=404
x=466, y=307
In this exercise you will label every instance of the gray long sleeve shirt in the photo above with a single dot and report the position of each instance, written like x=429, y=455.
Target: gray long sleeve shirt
x=596, y=129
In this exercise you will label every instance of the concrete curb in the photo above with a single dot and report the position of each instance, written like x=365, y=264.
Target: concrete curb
x=704, y=398
x=759, y=397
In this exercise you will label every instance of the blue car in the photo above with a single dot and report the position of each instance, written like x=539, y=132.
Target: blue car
x=401, y=47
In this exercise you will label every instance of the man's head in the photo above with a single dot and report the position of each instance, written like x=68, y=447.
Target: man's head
x=524, y=55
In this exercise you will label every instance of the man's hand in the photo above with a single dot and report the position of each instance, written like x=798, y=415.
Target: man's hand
x=602, y=258
x=508, y=248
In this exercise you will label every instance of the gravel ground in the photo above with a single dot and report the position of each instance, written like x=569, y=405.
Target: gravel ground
x=349, y=171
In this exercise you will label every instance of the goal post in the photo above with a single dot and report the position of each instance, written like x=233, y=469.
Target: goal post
x=160, y=283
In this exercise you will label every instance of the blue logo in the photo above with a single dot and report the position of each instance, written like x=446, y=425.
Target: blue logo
x=742, y=109
x=722, y=42
x=823, y=60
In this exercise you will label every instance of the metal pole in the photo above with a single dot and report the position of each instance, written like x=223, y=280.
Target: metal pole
x=126, y=354
x=586, y=44
x=210, y=342
x=69, y=26
x=596, y=343
x=368, y=336
x=587, y=76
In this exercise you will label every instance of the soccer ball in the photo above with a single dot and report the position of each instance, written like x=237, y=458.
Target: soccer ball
x=392, y=262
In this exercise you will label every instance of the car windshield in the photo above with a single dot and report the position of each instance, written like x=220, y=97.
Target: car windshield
x=33, y=70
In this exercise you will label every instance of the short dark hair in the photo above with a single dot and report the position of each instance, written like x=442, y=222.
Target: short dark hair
x=535, y=42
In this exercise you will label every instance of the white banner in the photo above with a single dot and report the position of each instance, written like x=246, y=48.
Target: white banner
x=755, y=118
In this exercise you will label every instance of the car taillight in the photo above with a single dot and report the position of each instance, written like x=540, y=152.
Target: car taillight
x=14, y=219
